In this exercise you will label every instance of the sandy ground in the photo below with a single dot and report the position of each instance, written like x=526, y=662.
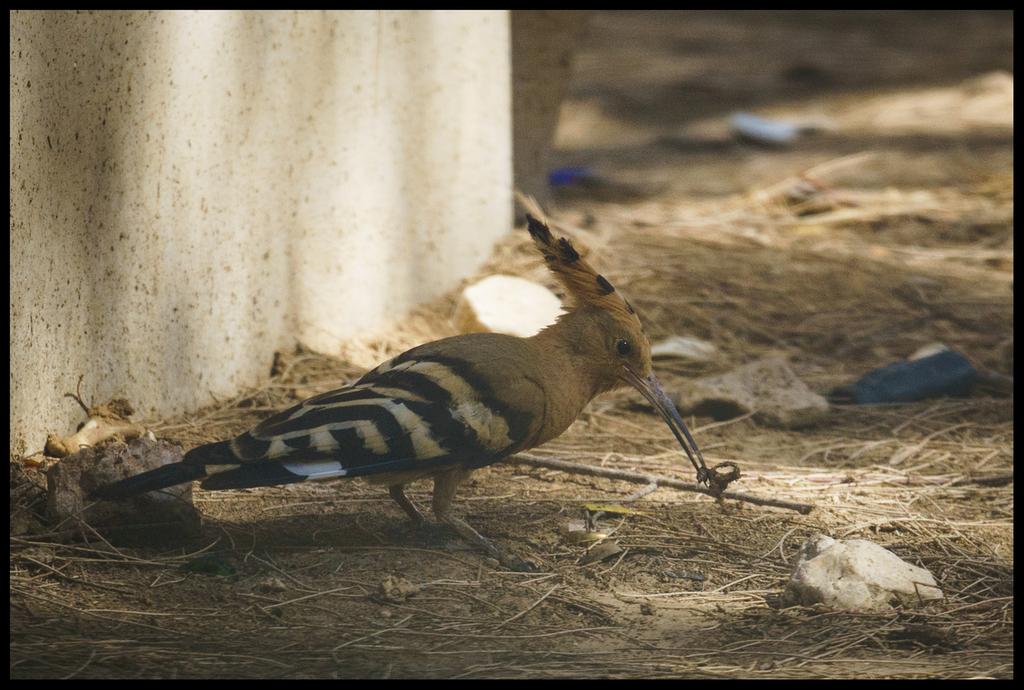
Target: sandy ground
x=905, y=238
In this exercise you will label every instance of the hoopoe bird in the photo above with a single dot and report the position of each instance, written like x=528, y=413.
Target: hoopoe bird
x=448, y=407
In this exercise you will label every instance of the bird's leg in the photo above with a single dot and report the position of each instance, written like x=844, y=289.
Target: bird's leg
x=398, y=494
x=445, y=486
x=444, y=491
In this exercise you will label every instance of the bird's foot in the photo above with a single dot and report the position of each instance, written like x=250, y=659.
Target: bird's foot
x=509, y=560
x=514, y=559
x=427, y=533
x=518, y=564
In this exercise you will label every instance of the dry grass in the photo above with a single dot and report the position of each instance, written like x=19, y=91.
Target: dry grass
x=931, y=481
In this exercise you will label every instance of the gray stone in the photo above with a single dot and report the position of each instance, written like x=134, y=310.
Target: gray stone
x=154, y=516
x=767, y=387
x=856, y=574
x=28, y=499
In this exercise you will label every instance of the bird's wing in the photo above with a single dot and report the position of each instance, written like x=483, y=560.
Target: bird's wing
x=409, y=414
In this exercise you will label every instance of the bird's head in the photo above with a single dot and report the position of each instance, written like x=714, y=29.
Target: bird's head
x=607, y=334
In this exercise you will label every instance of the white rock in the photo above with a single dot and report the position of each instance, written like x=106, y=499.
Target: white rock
x=856, y=574
x=506, y=304
x=685, y=347
x=928, y=351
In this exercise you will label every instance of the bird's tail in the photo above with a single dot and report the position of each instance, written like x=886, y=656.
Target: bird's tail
x=191, y=468
x=160, y=478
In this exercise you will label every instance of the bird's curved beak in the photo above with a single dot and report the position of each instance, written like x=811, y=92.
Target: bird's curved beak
x=651, y=389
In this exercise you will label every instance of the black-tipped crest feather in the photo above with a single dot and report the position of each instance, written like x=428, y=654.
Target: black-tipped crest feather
x=584, y=284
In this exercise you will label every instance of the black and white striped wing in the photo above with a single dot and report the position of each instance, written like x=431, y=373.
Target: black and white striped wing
x=406, y=415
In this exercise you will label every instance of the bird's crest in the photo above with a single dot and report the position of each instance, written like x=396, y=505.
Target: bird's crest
x=583, y=283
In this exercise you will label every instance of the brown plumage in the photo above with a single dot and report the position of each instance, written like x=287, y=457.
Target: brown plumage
x=447, y=407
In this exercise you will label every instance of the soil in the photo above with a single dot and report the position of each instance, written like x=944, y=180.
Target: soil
x=890, y=229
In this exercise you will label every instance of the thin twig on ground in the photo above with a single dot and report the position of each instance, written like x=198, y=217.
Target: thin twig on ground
x=642, y=478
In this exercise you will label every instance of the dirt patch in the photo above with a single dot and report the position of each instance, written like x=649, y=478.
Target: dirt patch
x=908, y=241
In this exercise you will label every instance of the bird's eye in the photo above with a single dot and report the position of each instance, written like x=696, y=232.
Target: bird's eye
x=623, y=347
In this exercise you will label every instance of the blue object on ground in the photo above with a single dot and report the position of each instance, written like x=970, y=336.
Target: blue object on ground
x=562, y=177
x=944, y=373
x=763, y=131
